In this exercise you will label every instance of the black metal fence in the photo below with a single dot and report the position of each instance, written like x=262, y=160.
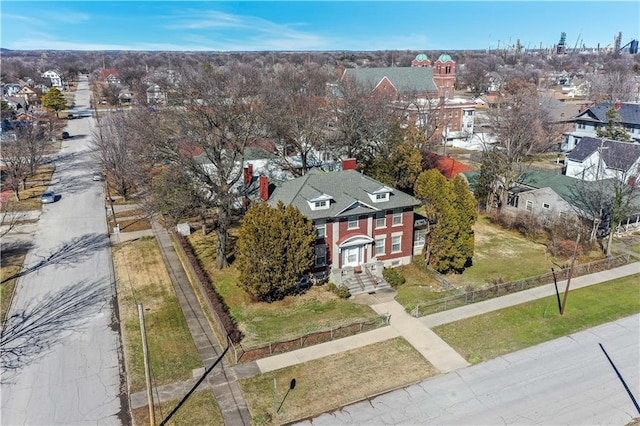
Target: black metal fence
x=495, y=290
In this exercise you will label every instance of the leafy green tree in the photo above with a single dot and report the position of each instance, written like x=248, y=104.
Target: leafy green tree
x=613, y=129
x=54, y=100
x=398, y=168
x=275, y=248
x=449, y=243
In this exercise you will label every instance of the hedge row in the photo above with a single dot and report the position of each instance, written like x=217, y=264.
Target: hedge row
x=215, y=301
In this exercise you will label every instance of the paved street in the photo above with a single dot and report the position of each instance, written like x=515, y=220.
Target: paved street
x=565, y=381
x=61, y=361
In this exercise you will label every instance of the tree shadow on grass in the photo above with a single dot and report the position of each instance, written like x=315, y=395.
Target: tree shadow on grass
x=32, y=331
x=13, y=252
x=68, y=254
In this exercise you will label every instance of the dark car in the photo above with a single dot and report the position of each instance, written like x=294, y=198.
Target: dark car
x=65, y=135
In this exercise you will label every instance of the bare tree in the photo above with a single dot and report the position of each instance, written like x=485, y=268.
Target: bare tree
x=120, y=153
x=16, y=165
x=297, y=116
x=33, y=142
x=613, y=86
x=360, y=122
x=208, y=136
x=9, y=217
x=521, y=126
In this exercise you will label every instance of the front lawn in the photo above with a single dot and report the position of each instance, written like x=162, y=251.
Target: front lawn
x=329, y=383
x=263, y=323
x=502, y=255
x=488, y=336
x=36, y=185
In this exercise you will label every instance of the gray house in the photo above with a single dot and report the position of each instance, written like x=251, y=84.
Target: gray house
x=594, y=117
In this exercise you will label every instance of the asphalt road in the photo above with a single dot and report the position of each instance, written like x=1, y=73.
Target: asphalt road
x=61, y=351
x=566, y=381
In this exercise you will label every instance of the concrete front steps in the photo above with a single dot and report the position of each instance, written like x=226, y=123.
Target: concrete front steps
x=362, y=281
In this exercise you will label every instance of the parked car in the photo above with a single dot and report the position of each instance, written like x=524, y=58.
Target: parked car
x=98, y=176
x=70, y=116
x=48, y=197
x=65, y=135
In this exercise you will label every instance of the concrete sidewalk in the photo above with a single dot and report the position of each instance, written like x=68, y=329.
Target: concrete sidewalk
x=494, y=304
x=222, y=380
x=417, y=330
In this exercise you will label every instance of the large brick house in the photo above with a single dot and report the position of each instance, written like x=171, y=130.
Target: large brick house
x=362, y=225
x=425, y=92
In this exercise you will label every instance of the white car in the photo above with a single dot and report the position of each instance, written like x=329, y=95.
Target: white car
x=97, y=176
x=48, y=197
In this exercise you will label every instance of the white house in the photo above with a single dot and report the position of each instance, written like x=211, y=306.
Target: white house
x=55, y=78
x=598, y=159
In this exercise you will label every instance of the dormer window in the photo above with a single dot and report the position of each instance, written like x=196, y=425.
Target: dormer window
x=322, y=202
x=380, y=195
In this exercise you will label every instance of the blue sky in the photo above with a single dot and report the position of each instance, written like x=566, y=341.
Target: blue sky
x=311, y=25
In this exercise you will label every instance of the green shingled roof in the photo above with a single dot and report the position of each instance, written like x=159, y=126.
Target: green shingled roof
x=404, y=79
x=444, y=58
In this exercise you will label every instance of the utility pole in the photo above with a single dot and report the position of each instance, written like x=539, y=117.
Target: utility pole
x=147, y=370
x=573, y=261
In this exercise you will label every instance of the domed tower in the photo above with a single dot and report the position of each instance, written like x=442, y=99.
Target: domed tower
x=421, y=60
x=444, y=76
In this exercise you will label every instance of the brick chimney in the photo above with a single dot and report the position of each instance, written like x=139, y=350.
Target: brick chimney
x=349, y=164
x=248, y=174
x=264, y=188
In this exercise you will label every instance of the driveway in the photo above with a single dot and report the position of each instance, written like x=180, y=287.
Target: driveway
x=61, y=351
x=564, y=381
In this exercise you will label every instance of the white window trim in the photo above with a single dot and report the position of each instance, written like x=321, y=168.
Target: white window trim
x=384, y=246
x=384, y=220
x=399, y=236
x=321, y=225
x=529, y=206
x=350, y=220
x=393, y=218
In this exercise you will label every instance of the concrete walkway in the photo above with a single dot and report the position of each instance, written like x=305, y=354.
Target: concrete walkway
x=417, y=330
x=435, y=350
x=222, y=379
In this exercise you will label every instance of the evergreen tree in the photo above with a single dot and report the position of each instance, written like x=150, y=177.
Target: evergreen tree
x=613, y=130
x=449, y=243
x=275, y=248
x=54, y=100
x=467, y=209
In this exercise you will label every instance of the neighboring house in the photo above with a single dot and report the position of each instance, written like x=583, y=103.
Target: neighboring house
x=16, y=103
x=544, y=195
x=589, y=120
x=29, y=95
x=110, y=76
x=55, y=77
x=156, y=95
x=598, y=159
x=11, y=89
x=361, y=224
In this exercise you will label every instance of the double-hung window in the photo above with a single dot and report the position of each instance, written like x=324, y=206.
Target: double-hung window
x=352, y=222
x=381, y=220
x=380, y=246
x=396, y=244
x=397, y=218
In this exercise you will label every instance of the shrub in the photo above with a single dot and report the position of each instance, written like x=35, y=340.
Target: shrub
x=393, y=277
x=341, y=291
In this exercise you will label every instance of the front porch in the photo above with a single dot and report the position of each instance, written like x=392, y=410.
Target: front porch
x=364, y=278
